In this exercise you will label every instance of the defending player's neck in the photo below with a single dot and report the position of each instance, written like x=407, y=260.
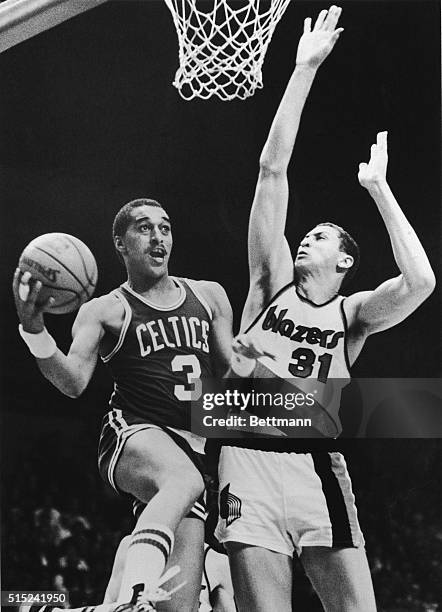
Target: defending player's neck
x=318, y=289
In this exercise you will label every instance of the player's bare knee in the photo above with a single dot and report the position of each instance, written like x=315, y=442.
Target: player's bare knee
x=359, y=599
x=352, y=604
x=188, y=483
x=133, y=474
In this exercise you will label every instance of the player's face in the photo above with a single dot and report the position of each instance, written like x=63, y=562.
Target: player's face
x=320, y=249
x=148, y=239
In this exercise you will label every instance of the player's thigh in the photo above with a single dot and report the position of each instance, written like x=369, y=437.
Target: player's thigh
x=188, y=553
x=262, y=579
x=151, y=460
x=217, y=571
x=222, y=600
x=341, y=577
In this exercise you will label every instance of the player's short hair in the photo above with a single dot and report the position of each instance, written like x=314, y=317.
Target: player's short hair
x=349, y=245
x=123, y=217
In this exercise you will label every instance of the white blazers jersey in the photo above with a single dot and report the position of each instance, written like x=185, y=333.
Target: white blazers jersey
x=309, y=345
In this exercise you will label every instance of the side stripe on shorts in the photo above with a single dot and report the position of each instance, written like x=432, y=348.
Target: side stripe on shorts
x=334, y=497
x=122, y=431
x=199, y=510
x=117, y=423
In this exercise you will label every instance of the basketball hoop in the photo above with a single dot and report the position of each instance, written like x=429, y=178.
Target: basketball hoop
x=222, y=48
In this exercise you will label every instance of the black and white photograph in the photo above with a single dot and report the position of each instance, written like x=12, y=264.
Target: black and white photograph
x=221, y=342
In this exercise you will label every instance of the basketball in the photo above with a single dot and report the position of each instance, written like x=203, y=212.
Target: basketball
x=65, y=266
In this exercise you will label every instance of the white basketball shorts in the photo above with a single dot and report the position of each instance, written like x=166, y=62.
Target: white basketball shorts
x=285, y=501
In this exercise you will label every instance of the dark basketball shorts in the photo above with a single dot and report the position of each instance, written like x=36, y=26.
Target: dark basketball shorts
x=117, y=428
x=286, y=501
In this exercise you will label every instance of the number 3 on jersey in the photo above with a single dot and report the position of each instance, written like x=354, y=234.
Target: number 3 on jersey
x=181, y=363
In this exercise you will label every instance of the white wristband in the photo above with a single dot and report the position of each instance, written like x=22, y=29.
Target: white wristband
x=242, y=366
x=41, y=345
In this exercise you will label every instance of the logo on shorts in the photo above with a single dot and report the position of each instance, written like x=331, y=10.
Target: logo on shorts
x=229, y=506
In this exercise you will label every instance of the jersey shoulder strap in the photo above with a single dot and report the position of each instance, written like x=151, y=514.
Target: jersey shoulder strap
x=108, y=350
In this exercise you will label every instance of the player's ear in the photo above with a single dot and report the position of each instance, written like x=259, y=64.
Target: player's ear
x=119, y=244
x=345, y=261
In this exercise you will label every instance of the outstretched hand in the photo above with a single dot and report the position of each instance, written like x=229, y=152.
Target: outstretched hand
x=316, y=45
x=30, y=312
x=246, y=347
x=375, y=172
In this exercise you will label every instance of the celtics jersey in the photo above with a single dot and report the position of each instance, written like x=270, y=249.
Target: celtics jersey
x=159, y=352
x=309, y=347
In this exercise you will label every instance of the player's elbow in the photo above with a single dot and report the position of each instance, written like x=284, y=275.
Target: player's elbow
x=427, y=283
x=424, y=285
x=74, y=388
x=72, y=391
x=270, y=167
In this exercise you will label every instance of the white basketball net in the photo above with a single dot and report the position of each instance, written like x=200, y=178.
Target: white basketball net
x=222, y=48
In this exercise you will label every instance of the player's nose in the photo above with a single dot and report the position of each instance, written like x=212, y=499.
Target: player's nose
x=156, y=236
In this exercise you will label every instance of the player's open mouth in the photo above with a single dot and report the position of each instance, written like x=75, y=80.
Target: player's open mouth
x=158, y=255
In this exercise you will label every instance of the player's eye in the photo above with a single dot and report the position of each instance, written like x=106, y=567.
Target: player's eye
x=165, y=229
x=144, y=227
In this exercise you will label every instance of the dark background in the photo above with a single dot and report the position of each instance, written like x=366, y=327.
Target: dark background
x=90, y=120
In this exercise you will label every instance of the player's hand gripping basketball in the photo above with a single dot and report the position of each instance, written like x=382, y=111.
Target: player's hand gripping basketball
x=29, y=310
x=316, y=45
x=375, y=172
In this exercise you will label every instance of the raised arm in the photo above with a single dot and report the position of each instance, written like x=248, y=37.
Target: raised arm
x=397, y=298
x=69, y=373
x=270, y=261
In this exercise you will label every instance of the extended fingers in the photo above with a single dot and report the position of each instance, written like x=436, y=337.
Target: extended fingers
x=20, y=289
x=380, y=148
x=16, y=280
x=336, y=34
x=46, y=305
x=320, y=20
x=381, y=140
x=260, y=351
x=327, y=19
x=332, y=18
x=308, y=24
x=239, y=340
x=238, y=344
x=34, y=291
x=244, y=345
x=380, y=144
x=25, y=287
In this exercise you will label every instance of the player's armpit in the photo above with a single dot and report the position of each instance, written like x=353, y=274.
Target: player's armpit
x=263, y=289
x=386, y=306
x=221, y=331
